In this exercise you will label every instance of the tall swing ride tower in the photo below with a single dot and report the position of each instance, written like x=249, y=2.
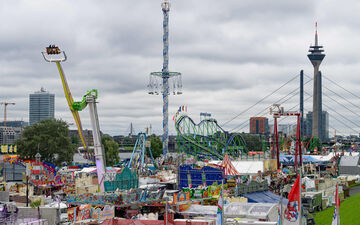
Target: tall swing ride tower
x=165, y=82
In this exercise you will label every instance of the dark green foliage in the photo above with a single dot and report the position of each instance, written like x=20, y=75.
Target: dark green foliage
x=311, y=143
x=156, y=146
x=111, y=149
x=75, y=140
x=50, y=138
x=253, y=142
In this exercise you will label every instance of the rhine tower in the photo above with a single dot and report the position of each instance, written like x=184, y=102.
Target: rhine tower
x=316, y=56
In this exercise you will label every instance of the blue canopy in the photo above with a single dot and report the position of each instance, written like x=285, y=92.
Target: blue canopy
x=264, y=197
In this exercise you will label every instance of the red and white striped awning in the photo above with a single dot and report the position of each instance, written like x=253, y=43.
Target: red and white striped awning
x=228, y=166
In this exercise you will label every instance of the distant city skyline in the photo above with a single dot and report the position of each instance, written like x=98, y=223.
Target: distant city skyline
x=230, y=55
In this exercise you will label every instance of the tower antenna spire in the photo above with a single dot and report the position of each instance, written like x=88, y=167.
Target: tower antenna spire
x=316, y=35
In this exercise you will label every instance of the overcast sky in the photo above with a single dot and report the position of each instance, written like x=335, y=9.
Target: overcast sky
x=231, y=54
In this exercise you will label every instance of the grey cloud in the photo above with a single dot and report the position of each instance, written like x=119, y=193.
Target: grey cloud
x=230, y=53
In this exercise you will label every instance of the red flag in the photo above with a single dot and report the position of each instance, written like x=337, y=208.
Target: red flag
x=294, y=193
x=292, y=210
x=337, y=198
x=336, y=216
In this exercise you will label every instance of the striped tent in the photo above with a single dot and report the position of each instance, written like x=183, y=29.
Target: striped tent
x=228, y=166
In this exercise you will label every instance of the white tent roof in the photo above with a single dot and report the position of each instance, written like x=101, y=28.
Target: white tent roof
x=349, y=161
x=56, y=205
x=246, y=167
x=331, y=155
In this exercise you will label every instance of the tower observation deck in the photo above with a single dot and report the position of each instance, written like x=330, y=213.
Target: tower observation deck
x=316, y=56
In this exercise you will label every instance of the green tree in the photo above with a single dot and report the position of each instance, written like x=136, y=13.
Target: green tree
x=311, y=142
x=111, y=149
x=75, y=140
x=253, y=142
x=49, y=137
x=36, y=204
x=156, y=146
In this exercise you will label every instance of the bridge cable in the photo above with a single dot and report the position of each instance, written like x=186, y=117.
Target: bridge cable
x=329, y=108
x=341, y=96
x=265, y=111
x=341, y=87
x=267, y=108
x=296, y=76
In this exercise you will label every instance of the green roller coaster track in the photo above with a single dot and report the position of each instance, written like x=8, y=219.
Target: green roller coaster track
x=207, y=140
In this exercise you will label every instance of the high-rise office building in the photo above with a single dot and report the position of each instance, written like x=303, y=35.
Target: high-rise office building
x=324, y=126
x=259, y=125
x=41, y=106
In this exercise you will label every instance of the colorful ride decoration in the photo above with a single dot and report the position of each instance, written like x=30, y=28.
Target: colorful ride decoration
x=229, y=169
x=85, y=212
x=207, y=140
x=41, y=173
x=8, y=149
x=201, y=192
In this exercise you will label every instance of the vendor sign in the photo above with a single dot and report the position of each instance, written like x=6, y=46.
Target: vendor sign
x=181, y=196
x=103, y=214
x=84, y=212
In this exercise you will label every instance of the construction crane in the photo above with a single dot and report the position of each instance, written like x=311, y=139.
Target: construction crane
x=54, y=54
x=5, y=112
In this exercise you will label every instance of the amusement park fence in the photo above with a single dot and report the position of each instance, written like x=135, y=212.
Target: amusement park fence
x=13, y=172
x=23, y=217
x=255, y=157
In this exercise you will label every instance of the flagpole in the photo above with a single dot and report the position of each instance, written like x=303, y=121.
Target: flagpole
x=300, y=217
x=338, y=205
x=281, y=201
x=300, y=182
x=222, y=196
x=301, y=165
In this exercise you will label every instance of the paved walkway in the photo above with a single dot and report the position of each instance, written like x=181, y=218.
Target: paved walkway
x=354, y=190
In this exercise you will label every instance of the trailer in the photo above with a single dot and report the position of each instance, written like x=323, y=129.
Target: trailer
x=312, y=201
